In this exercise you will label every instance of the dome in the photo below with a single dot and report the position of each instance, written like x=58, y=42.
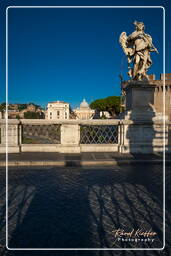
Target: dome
x=84, y=104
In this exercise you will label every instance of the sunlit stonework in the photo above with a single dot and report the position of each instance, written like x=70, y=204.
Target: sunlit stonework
x=137, y=47
x=84, y=111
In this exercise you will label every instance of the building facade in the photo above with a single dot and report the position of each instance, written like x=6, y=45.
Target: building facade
x=84, y=111
x=57, y=110
x=105, y=114
x=159, y=97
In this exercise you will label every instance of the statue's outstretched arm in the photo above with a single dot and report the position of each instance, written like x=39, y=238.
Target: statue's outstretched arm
x=134, y=35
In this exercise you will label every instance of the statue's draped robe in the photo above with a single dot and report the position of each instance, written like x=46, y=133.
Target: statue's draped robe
x=142, y=43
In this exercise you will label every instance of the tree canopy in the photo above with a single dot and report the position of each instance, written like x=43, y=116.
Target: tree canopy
x=110, y=104
x=33, y=115
x=22, y=107
x=2, y=106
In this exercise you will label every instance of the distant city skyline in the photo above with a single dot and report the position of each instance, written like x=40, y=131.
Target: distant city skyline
x=72, y=54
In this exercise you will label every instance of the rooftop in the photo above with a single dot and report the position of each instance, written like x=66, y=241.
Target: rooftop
x=58, y=101
x=84, y=104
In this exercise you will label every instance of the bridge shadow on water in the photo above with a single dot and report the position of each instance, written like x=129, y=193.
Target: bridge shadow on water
x=81, y=208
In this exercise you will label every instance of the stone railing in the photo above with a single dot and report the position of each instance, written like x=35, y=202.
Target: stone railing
x=143, y=136
x=75, y=136
x=64, y=136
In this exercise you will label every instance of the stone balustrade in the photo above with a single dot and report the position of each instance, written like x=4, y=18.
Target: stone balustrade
x=75, y=136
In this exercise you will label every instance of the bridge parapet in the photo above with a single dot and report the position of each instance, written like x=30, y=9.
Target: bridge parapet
x=75, y=136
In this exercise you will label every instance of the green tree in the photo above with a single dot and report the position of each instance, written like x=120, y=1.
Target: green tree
x=113, y=105
x=99, y=105
x=33, y=115
x=110, y=104
x=22, y=107
x=2, y=106
x=18, y=117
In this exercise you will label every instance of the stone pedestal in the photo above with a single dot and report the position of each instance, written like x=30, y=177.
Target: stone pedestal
x=140, y=101
x=142, y=130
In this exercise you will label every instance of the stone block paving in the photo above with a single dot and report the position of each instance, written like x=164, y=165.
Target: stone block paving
x=91, y=156
x=81, y=208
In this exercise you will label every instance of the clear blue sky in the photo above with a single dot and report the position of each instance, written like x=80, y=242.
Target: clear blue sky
x=71, y=54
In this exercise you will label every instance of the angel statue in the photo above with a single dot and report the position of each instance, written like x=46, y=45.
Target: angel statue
x=137, y=48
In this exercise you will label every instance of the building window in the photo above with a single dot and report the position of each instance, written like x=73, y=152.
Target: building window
x=58, y=114
x=65, y=115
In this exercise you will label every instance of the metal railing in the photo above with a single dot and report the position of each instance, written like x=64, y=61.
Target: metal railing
x=41, y=134
x=98, y=134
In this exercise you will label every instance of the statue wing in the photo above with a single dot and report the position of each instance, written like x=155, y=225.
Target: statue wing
x=123, y=41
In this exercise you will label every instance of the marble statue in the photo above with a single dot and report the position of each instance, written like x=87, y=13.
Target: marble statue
x=137, y=48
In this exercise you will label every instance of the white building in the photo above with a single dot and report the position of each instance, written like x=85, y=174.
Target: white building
x=84, y=111
x=105, y=114
x=57, y=110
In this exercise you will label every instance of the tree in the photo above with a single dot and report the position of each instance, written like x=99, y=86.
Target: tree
x=2, y=106
x=22, y=107
x=110, y=104
x=99, y=105
x=33, y=115
x=113, y=105
x=18, y=117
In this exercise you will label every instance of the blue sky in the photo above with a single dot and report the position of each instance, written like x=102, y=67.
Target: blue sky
x=71, y=54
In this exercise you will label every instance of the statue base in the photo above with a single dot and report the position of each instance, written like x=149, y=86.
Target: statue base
x=142, y=127
x=140, y=101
